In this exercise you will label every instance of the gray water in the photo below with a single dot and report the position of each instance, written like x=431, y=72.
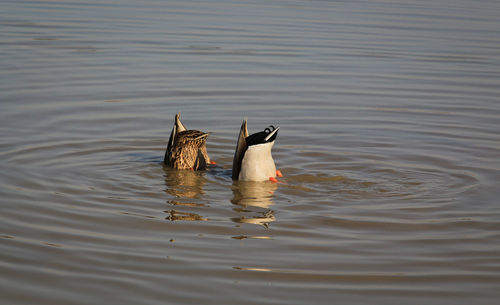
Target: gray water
x=389, y=146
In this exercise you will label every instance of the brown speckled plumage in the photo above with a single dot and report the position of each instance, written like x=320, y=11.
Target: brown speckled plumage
x=187, y=148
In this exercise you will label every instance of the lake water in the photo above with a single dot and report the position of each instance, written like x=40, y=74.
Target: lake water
x=389, y=145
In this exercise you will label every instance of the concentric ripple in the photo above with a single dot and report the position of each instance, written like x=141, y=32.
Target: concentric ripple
x=388, y=142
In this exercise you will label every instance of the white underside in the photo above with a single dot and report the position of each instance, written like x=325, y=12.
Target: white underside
x=258, y=163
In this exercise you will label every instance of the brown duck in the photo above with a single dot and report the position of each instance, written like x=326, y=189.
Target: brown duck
x=186, y=148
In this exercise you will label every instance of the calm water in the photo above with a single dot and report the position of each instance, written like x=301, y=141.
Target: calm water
x=389, y=143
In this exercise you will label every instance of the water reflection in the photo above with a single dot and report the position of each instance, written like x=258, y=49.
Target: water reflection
x=263, y=218
x=253, y=200
x=184, y=183
x=255, y=194
x=177, y=215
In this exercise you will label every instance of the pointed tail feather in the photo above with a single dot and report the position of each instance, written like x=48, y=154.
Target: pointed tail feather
x=241, y=147
x=178, y=127
x=178, y=123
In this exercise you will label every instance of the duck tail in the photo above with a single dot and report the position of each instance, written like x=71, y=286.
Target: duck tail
x=241, y=147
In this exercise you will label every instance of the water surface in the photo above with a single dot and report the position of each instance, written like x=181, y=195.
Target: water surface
x=389, y=146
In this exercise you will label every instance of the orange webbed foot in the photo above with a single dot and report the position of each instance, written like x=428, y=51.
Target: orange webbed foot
x=278, y=173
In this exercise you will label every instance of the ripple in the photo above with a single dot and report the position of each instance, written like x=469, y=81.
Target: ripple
x=388, y=146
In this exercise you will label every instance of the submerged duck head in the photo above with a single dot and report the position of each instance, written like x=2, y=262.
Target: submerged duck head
x=186, y=148
x=253, y=160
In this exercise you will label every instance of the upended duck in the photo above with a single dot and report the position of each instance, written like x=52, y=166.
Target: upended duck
x=186, y=148
x=252, y=159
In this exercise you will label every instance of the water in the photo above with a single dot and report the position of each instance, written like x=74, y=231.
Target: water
x=389, y=146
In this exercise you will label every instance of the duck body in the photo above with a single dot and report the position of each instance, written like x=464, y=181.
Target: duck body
x=186, y=148
x=257, y=163
x=253, y=160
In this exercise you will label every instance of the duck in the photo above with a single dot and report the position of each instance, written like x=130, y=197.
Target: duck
x=253, y=160
x=186, y=148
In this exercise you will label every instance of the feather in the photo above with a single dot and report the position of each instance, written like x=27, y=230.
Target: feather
x=241, y=147
x=253, y=160
x=186, y=148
